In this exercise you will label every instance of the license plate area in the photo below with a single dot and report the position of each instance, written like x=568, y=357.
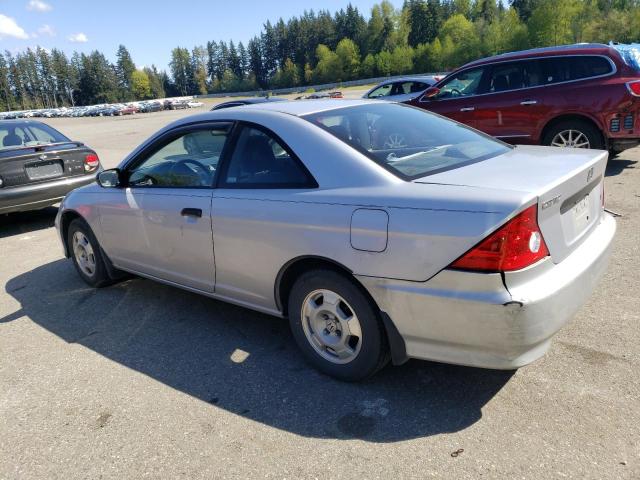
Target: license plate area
x=581, y=214
x=45, y=170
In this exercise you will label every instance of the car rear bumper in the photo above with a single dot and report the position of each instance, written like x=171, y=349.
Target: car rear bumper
x=482, y=320
x=40, y=195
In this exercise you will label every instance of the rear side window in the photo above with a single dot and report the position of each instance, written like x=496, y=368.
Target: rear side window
x=565, y=69
x=259, y=160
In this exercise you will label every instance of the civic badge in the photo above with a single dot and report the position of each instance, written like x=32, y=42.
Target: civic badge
x=589, y=174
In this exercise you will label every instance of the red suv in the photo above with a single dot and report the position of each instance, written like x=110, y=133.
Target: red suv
x=584, y=96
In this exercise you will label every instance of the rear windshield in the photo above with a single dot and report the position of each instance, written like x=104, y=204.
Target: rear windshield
x=27, y=134
x=409, y=142
x=631, y=54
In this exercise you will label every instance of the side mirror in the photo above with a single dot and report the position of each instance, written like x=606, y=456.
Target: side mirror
x=109, y=178
x=430, y=92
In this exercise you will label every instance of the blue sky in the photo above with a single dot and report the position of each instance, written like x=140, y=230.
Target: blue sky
x=149, y=29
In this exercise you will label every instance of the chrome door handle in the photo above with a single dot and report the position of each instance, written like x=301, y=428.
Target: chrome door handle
x=467, y=109
x=529, y=102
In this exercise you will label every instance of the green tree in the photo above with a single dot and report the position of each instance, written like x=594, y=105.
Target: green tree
x=348, y=58
x=140, y=85
x=552, y=23
x=328, y=68
x=124, y=70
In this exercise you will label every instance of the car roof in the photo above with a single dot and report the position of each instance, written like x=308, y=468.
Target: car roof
x=577, y=49
x=305, y=107
x=418, y=78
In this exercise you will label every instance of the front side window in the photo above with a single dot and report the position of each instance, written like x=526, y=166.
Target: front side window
x=259, y=160
x=188, y=160
x=408, y=141
x=463, y=84
x=383, y=91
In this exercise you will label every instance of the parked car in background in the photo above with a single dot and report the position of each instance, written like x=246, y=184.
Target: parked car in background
x=176, y=104
x=39, y=165
x=402, y=89
x=246, y=101
x=583, y=96
x=195, y=104
x=452, y=246
x=148, y=107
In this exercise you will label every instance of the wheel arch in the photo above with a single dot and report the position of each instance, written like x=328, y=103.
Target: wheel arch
x=295, y=267
x=66, y=218
x=581, y=117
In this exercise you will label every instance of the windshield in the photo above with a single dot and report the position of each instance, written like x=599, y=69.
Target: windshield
x=28, y=134
x=630, y=54
x=408, y=141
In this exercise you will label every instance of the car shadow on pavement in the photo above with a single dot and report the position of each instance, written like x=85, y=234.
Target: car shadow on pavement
x=26, y=222
x=616, y=166
x=246, y=362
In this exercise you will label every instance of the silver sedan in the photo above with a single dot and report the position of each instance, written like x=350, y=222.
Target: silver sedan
x=381, y=231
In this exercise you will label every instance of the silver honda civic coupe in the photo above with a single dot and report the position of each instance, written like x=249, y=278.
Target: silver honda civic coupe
x=381, y=231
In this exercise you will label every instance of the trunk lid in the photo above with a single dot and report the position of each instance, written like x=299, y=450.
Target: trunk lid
x=566, y=183
x=28, y=165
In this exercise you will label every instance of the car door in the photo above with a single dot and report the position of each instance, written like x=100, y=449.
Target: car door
x=515, y=101
x=458, y=96
x=159, y=224
x=253, y=210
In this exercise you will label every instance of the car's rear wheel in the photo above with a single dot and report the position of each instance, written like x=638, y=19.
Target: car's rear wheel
x=87, y=255
x=336, y=326
x=574, y=134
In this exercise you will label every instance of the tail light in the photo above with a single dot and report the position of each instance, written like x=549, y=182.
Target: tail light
x=91, y=162
x=515, y=245
x=634, y=88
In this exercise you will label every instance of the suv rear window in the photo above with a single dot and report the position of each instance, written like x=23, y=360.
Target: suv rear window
x=408, y=141
x=630, y=54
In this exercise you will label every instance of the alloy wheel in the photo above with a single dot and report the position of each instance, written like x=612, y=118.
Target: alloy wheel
x=571, y=139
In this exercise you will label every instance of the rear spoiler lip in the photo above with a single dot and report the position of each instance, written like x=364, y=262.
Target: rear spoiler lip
x=38, y=148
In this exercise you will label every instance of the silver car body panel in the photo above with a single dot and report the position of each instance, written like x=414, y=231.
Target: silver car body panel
x=396, y=237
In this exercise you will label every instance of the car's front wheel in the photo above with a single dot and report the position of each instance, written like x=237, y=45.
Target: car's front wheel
x=86, y=254
x=336, y=326
x=574, y=134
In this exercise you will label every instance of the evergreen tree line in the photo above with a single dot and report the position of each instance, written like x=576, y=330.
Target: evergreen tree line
x=317, y=47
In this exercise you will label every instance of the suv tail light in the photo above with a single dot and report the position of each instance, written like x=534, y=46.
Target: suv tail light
x=634, y=88
x=515, y=245
x=91, y=162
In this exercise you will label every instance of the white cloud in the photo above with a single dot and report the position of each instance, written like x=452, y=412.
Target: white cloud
x=38, y=6
x=9, y=28
x=47, y=30
x=78, y=38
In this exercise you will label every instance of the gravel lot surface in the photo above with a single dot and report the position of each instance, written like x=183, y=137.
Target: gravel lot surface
x=142, y=380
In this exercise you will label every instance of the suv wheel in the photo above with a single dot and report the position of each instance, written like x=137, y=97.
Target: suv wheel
x=335, y=325
x=573, y=134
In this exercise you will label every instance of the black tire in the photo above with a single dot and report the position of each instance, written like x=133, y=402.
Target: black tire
x=587, y=129
x=374, y=350
x=100, y=276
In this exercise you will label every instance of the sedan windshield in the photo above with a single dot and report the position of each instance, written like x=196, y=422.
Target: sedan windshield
x=408, y=141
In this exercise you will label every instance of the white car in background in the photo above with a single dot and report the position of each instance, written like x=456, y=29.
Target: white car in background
x=195, y=104
x=402, y=89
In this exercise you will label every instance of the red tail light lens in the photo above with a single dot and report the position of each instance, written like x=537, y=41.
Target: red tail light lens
x=515, y=245
x=91, y=162
x=634, y=88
